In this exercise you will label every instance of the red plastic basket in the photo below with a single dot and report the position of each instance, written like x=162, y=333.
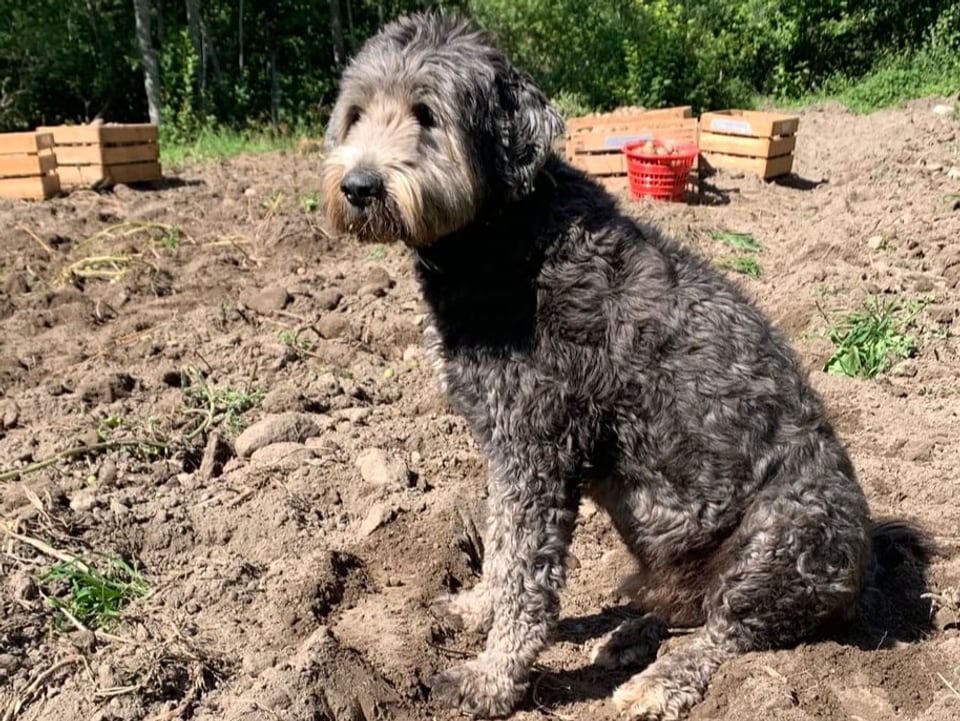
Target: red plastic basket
x=660, y=176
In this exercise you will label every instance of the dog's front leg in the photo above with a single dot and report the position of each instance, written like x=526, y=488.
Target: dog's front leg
x=528, y=534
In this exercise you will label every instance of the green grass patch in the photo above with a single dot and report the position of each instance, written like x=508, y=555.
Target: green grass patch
x=746, y=246
x=738, y=241
x=869, y=340
x=743, y=264
x=93, y=593
x=212, y=405
x=221, y=142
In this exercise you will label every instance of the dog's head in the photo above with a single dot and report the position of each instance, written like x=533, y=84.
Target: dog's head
x=432, y=124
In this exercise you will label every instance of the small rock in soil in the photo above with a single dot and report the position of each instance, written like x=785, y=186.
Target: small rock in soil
x=107, y=475
x=920, y=283
x=328, y=299
x=919, y=451
x=905, y=369
x=84, y=500
x=9, y=664
x=15, y=284
x=333, y=325
x=279, y=428
x=377, y=277
x=285, y=453
x=374, y=289
x=9, y=414
x=941, y=313
x=382, y=470
x=356, y=416
x=22, y=587
x=267, y=300
x=215, y=454
x=106, y=390
x=379, y=515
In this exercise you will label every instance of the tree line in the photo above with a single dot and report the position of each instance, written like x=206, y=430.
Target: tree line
x=206, y=63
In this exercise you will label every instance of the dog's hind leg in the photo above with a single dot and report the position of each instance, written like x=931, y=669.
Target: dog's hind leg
x=528, y=534
x=798, y=559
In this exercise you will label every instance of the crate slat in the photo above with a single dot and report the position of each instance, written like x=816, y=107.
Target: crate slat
x=764, y=167
x=90, y=175
x=30, y=142
x=627, y=118
x=14, y=166
x=749, y=122
x=677, y=130
x=37, y=187
x=134, y=172
x=102, y=134
x=747, y=146
x=128, y=134
x=105, y=155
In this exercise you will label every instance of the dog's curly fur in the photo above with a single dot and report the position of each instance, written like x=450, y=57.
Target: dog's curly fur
x=592, y=356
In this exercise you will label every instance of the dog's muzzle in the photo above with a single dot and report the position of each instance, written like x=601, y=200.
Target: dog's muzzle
x=361, y=186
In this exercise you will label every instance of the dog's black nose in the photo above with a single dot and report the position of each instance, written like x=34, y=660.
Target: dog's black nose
x=361, y=186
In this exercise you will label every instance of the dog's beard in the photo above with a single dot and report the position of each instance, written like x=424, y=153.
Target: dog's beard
x=401, y=214
x=379, y=222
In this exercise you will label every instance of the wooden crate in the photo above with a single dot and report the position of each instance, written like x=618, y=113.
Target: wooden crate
x=594, y=142
x=28, y=166
x=103, y=155
x=758, y=142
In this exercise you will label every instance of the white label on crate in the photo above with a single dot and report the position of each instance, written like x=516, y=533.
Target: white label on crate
x=618, y=141
x=740, y=127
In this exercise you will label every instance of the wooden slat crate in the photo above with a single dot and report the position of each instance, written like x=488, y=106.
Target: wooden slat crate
x=594, y=142
x=28, y=166
x=757, y=142
x=103, y=155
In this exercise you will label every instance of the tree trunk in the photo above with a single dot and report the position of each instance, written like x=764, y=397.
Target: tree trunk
x=208, y=48
x=336, y=30
x=240, y=38
x=274, y=88
x=193, y=30
x=151, y=71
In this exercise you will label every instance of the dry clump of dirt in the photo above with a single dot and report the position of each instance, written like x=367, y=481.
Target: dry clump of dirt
x=197, y=380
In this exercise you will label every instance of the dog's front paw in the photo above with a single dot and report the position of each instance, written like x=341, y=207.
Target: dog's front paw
x=648, y=696
x=471, y=610
x=479, y=688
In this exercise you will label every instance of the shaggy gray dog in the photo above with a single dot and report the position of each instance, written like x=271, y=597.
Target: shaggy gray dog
x=592, y=356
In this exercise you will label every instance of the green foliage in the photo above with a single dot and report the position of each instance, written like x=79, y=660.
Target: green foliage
x=933, y=69
x=740, y=264
x=276, y=63
x=867, y=340
x=738, y=241
x=722, y=53
x=211, y=405
x=746, y=245
x=93, y=593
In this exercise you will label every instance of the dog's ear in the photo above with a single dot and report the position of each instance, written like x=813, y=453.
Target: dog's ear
x=527, y=125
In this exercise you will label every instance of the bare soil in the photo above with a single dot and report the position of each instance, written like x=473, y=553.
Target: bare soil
x=291, y=564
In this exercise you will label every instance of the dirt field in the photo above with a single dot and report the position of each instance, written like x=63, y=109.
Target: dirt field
x=290, y=566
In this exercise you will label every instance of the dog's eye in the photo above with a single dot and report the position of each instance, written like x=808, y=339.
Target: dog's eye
x=353, y=115
x=424, y=116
